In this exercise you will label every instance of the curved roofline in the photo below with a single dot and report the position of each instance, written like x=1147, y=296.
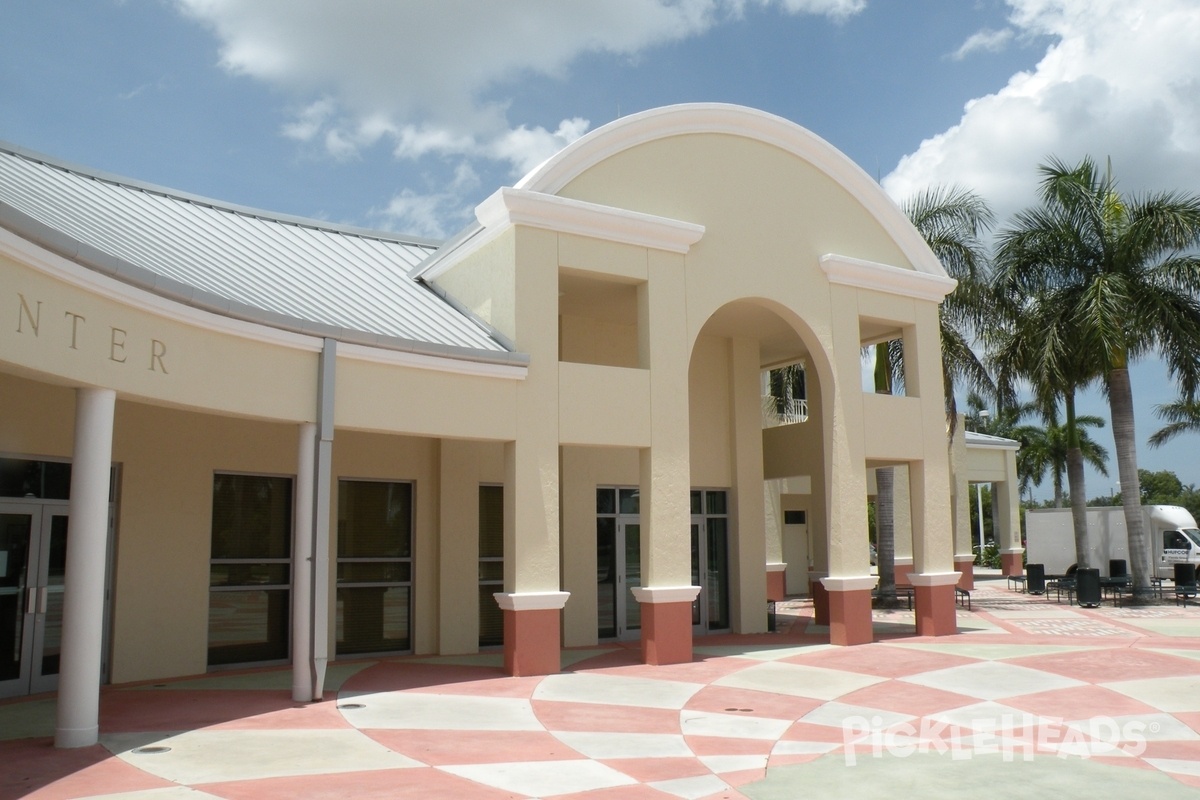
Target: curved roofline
x=552, y=175
x=249, y=211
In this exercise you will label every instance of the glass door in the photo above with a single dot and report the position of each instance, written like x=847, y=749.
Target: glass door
x=33, y=549
x=618, y=563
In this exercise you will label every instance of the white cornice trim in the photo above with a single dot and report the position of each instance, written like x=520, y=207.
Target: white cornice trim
x=886, y=278
x=399, y=358
x=508, y=206
x=665, y=594
x=778, y=566
x=531, y=601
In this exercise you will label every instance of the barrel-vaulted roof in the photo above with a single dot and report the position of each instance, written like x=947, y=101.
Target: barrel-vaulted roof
x=296, y=274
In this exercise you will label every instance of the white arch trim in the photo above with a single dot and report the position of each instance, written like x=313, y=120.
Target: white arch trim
x=560, y=169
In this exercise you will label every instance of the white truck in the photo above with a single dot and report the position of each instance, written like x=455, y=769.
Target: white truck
x=1050, y=537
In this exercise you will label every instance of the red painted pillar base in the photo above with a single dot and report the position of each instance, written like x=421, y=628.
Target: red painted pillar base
x=820, y=598
x=1011, y=564
x=776, y=582
x=532, y=637
x=903, y=568
x=850, y=610
x=966, y=569
x=933, y=600
x=666, y=623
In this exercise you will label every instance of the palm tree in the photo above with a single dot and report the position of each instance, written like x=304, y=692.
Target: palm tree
x=1118, y=273
x=1182, y=416
x=952, y=221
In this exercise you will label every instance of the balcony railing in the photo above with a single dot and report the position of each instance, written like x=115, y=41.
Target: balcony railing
x=785, y=412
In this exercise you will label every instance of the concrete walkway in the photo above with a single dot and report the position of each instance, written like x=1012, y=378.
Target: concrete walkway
x=1031, y=698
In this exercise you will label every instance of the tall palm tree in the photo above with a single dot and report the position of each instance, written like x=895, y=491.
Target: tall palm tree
x=1119, y=269
x=952, y=221
x=1182, y=416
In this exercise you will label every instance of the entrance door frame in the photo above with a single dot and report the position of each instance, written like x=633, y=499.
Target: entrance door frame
x=36, y=593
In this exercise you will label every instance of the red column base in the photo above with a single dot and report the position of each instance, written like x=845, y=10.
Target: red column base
x=776, y=585
x=820, y=599
x=532, y=642
x=935, y=610
x=1011, y=564
x=850, y=617
x=966, y=568
x=666, y=633
x=902, y=571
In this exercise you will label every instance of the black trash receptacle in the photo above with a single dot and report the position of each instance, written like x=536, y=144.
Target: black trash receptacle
x=1035, y=578
x=1185, y=574
x=1117, y=568
x=1087, y=587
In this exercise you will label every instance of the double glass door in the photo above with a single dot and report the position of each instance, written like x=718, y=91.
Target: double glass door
x=33, y=555
x=619, y=562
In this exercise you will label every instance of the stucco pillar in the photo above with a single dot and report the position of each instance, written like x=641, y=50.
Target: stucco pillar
x=532, y=602
x=960, y=507
x=902, y=524
x=850, y=581
x=773, y=540
x=1007, y=500
x=748, y=555
x=78, y=723
x=458, y=553
x=929, y=479
x=532, y=599
x=667, y=593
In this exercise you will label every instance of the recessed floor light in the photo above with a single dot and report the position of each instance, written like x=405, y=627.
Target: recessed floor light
x=151, y=750
x=350, y=706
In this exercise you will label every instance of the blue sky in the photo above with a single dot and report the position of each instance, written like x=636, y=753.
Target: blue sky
x=404, y=115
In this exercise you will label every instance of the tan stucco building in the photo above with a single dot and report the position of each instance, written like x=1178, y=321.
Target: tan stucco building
x=291, y=440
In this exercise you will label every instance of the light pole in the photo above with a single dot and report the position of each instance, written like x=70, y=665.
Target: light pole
x=983, y=416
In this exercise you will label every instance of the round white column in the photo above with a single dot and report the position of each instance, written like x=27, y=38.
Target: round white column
x=87, y=544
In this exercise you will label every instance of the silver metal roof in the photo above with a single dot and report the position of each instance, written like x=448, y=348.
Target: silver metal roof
x=301, y=275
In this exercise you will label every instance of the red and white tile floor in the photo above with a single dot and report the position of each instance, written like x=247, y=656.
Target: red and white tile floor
x=1030, y=697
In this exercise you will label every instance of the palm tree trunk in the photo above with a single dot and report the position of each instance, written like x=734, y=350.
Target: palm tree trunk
x=885, y=534
x=1075, y=484
x=1120, y=400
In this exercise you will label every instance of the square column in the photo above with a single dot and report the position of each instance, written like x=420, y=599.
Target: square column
x=850, y=610
x=776, y=582
x=532, y=633
x=820, y=597
x=1012, y=561
x=666, y=623
x=933, y=599
x=964, y=565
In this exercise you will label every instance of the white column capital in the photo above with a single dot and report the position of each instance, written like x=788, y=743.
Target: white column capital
x=531, y=601
x=665, y=594
x=935, y=579
x=777, y=567
x=851, y=584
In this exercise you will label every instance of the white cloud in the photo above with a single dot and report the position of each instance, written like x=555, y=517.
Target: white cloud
x=1120, y=79
x=425, y=75
x=987, y=40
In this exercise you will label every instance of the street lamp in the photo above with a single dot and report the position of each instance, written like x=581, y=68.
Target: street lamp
x=983, y=417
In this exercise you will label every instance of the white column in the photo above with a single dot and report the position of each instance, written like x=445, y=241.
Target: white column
x=78, y=722
x=302, y=560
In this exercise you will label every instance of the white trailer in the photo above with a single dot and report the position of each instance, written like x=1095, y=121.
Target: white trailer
x=1050, y=537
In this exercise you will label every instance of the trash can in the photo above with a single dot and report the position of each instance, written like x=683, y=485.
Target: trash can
x=1087, y=587
x=1117, y=568
x=1035, y=578
x=1185, y=574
